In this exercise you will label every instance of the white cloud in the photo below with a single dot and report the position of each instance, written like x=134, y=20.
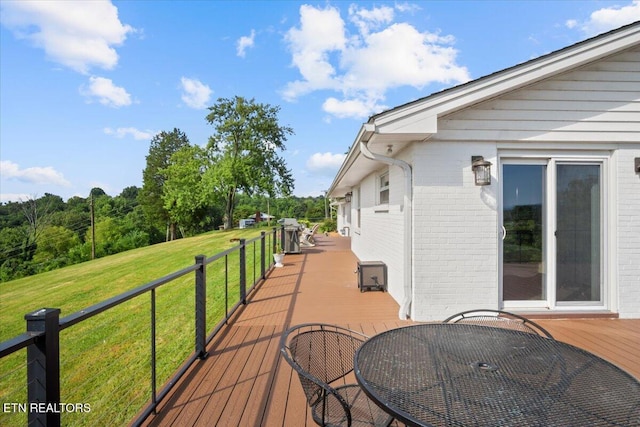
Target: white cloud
x=245, y=42
x=77, y=34
x=195, y=94
x=14, y=197
x=366, y=19
x=325, y=161
x=106, y=92
x=137, y=134
x=321, y=32
x=609, y=18
x=34, y=175
x=571, y=23
x=407, y=7
x=379, y=54
x=401, y=55
x=351, y=108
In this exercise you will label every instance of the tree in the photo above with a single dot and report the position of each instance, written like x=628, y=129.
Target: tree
x=97, y=192
x=131, y=194
x=38, y=212
x=54, y=245
x=12, y=243
x=163, y=146
x=183, y=193
x=107, y=234
x=244, y=149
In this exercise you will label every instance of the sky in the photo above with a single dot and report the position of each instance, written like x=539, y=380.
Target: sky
x=85, y=85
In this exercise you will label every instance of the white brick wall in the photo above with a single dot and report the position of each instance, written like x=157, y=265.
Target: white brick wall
x=455, y=253
x=628, y=250
x=456, y=238
x=380, y=237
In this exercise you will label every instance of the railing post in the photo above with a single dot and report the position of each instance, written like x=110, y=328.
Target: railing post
x=282, y=242
x=43, y=368
x=274, y=241
x=243, y=271
x=262, y=254
x=201, y=307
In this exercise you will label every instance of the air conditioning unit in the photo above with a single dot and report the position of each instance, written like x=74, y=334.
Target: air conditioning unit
x=372, y=275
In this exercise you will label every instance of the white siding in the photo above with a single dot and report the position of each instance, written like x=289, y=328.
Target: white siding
x=600, y=102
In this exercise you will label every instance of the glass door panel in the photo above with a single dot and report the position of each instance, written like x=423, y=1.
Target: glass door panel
x=523, y=221
x=578, y=233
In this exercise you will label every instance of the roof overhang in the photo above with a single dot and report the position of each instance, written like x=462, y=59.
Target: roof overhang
x=356, y=166
x=418, y=121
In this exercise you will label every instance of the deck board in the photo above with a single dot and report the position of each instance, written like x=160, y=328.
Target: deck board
x=615, y=340
x=245, y=381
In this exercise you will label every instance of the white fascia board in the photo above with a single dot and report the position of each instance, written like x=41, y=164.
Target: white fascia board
x=352, y=155
x=417, y=124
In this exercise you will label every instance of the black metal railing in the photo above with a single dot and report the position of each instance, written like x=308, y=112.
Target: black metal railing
x=43, y=347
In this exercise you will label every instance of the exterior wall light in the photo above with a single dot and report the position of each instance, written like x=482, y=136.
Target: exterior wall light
x=481, y=169
x=636, y=166
x=347, y=197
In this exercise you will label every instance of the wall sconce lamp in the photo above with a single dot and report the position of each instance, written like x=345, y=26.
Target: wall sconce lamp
x=481, y=169
x=347, y=197
x=637, y=164
x=389, y=150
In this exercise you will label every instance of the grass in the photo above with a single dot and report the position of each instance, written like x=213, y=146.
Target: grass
x=105, y=360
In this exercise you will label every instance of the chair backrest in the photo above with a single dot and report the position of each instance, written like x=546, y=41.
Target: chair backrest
x=499, y=319
x=321, y=354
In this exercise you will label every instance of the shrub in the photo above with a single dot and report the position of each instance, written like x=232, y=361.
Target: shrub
x=328, y=225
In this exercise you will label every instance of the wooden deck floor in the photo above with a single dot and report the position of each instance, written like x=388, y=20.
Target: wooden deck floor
x=244, y=381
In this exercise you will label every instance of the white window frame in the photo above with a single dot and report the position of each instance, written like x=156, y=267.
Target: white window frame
x=383, y=188
x=355, y=199
x=552, y=159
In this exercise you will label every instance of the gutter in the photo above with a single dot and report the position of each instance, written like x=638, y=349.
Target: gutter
x=369, y=130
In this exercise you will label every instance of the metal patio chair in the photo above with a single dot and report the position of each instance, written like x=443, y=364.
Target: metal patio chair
x=322, y=355
x=498, y=319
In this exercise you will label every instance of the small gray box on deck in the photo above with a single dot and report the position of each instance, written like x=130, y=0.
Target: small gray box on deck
x=372, y=275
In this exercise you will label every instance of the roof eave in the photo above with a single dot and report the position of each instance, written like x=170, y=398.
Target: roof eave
x=418, y=120
x=496, y=84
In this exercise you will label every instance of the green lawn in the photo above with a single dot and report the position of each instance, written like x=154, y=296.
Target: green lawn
x=105, y=360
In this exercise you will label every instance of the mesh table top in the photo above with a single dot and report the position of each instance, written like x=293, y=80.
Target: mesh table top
x=469, y=375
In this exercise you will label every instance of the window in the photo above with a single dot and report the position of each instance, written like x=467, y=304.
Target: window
x=355, y=199
x=383, y=187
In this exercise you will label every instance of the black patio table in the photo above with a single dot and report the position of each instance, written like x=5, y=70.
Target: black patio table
x=470, y=375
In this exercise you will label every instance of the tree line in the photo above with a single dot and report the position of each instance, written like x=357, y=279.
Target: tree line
x=46, y=233
x=187, y=189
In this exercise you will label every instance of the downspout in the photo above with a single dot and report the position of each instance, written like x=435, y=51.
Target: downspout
x=408, y=229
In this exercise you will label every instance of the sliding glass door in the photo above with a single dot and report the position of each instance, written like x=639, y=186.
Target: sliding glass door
x=523, y=227
x=552, y=248
x=578, y=233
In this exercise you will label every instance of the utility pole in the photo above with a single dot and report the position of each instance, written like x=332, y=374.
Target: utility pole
x=268, y=213
x=93, y=229
x=326, y=212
